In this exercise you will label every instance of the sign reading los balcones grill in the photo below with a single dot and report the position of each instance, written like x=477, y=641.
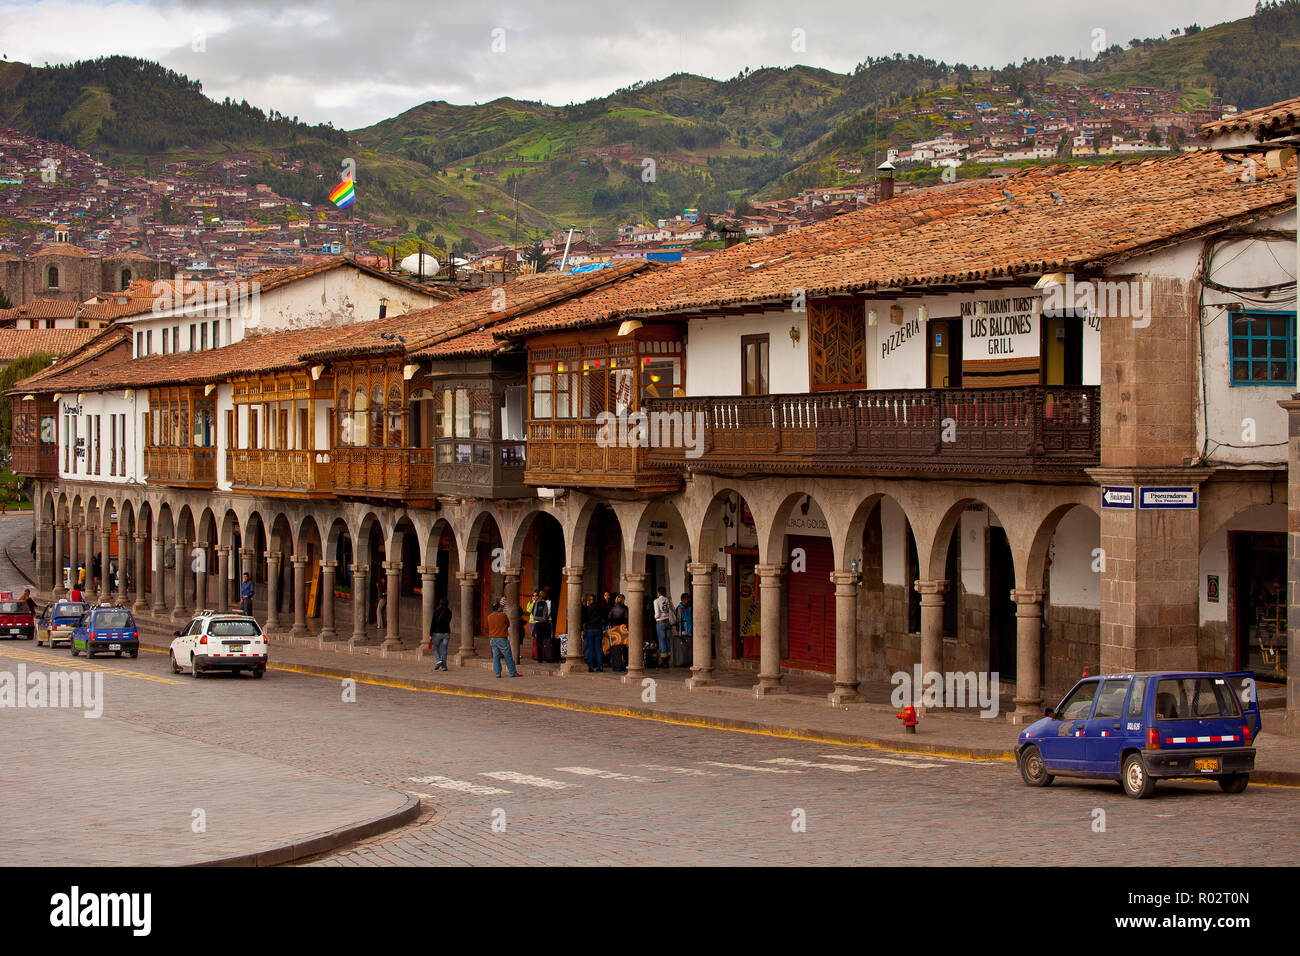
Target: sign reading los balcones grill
x=1006, y=329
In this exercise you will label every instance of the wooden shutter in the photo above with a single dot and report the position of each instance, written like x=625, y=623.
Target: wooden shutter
x=837, y=353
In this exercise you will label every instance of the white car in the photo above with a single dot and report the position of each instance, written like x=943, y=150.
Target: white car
x=219, y=641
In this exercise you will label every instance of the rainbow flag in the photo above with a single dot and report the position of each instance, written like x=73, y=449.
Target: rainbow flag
x=344, y=194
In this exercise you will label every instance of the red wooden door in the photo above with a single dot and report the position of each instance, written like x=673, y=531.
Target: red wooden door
x=810, y=604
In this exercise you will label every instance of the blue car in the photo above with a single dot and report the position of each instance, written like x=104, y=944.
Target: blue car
x=1147, y=726
x=106, y=630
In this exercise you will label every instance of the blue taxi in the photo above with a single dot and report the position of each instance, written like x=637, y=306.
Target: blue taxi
x=106, y=629
x=1142, y=727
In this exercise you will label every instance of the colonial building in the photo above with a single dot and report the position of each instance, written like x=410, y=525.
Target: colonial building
x=68, y=273
x=1028, y=427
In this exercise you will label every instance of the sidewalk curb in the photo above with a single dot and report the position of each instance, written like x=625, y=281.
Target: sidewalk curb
x=25, y=576
x=1278, y=778
x=324, y=842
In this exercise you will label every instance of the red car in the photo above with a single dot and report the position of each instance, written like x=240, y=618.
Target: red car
x=16, y=619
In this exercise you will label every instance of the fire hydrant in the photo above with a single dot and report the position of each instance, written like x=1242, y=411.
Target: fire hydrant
x=908, y=717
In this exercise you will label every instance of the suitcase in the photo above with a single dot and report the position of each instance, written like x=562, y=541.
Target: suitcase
x=551, y=647
x=650, y=654
x=683, y=651
x=618, y=657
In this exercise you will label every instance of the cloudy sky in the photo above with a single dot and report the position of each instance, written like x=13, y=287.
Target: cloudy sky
x=359, y=61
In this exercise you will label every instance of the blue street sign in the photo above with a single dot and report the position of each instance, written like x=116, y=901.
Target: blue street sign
x=1116, y=497
x=1162, y=497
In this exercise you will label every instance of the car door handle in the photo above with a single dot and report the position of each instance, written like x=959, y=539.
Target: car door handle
x=1114, y=726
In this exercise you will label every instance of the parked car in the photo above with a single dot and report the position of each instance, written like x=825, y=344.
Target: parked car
x=16, y=618
x=1142, y=727
x=220, y=640
x=106, y=629
x=58, y=621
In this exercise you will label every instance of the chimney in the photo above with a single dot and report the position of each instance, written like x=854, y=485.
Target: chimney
x=885, y=181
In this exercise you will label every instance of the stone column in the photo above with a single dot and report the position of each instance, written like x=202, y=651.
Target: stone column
x=273, y=559
x=159, y=576
x=635, y=626
x=105, y=539
x=701, y=625
x=770, y=678
x=931, y=626
x=392, y=634
x=1029, y=645
x=846, y=637
x=56, y=589
x=513, y=611
x=123, y=552
x=466, y=579
x=299, y=596
x=141, y=552
x=573, y=611
x=180, y=547
x=428, y=579
x=328, y=571
x=223, y=578
x=201, y=602
x=360, y=605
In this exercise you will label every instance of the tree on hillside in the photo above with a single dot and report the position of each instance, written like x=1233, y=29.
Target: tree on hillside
x=10, y=376
x=534, y=256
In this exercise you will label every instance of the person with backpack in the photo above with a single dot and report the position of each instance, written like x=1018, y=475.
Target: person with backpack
x=440, y=634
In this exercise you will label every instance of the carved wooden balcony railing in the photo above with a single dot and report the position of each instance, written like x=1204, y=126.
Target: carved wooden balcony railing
x=383, y=472
x=585, y=454
x=480, y=468
x=294, y=471
x=1041, y=429
x=174, y=465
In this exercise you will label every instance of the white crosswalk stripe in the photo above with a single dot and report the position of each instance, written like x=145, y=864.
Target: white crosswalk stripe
x=604, y=774
x=680, y=771
x=461, y=786
x=841, y=767
x=528, y=780
x=886, y=760
x=745, y=766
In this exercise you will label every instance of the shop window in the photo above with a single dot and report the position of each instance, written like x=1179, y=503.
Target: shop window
x=1263, y=348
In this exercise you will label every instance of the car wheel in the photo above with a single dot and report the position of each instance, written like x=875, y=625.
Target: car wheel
x=194, y=669
x=1032, y=770
x=1138, y=784
x=73, y=647
x=259, y=671
x=1234, y=782
x=171, y=658
x=134, y=655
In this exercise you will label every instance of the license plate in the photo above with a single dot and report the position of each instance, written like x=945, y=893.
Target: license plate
x=235, y=647
x=14, y=630
x=115, y=647
x=1207, y=764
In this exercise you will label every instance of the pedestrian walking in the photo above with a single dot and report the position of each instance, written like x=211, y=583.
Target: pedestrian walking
x=381, y=605
x=498, y=628
x=246, y=595
x=440, y=634
x=663, y=611
x=593, y=624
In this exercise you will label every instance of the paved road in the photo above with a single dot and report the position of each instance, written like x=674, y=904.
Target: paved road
x=506, y=782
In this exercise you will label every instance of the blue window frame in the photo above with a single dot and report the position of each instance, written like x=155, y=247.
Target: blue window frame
x=1263, y=347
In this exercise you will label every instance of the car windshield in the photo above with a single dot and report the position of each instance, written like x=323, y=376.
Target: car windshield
x=12, y=607
x=70, y=610
x=234, y=629
x=113, y=620
x=1186, y=698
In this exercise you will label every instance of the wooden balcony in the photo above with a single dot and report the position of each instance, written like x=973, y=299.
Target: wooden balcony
x=1041, y=430
x=480, y=468
x=569, y=454
x=293, y=472
x=406, y=473
x=175, y=465
x=36, y=460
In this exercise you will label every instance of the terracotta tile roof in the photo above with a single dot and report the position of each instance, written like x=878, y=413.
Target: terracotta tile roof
x=97, y=350
x=483, y=308
x=17, y=343
x=60, y=309
x=272, y=278
x=1056, y=218
x=1259, y=121
x=63, y=249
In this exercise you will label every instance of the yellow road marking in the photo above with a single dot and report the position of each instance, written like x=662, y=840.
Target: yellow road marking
x=33, y=656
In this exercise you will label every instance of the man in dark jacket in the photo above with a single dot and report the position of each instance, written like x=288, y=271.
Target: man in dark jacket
x=593, y=623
